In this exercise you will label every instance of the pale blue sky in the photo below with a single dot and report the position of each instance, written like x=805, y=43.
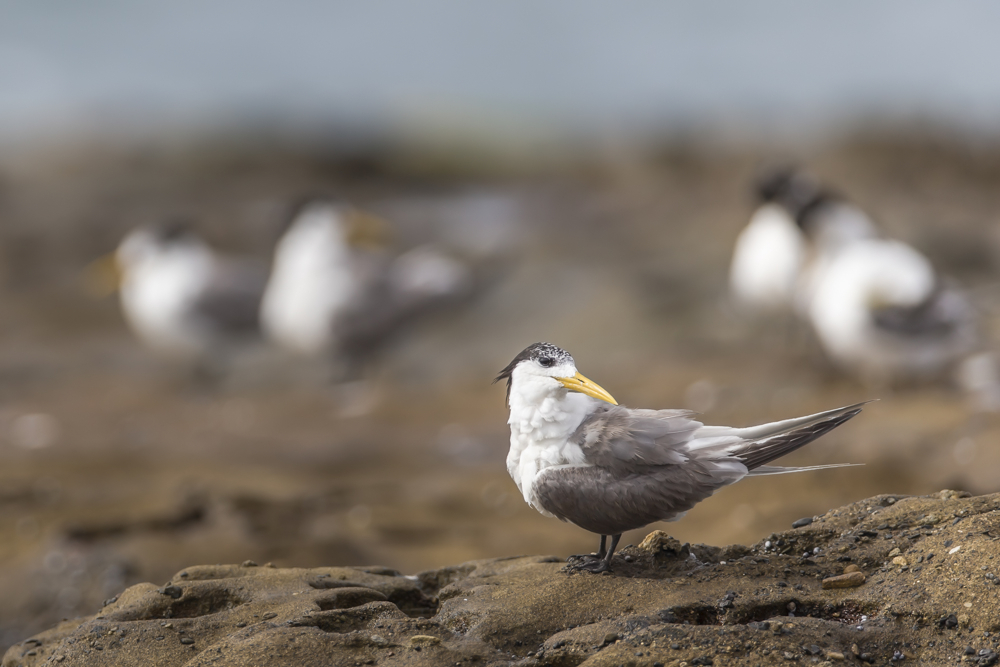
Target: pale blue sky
x=569, y=64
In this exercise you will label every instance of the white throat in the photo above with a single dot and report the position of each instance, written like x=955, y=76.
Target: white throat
x=543, y=416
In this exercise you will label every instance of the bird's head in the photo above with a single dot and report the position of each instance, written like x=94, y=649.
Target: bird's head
x=794, y=190
x=143, y=244
x=542, y=368
x=322, y=217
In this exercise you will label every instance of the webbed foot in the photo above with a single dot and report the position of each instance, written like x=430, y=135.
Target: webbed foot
x=587, y=557
x=595, y=566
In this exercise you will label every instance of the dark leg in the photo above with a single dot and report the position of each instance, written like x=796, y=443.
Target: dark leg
x=598, y=556
x=603, y=564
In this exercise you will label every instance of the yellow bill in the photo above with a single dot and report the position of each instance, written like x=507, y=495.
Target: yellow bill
x=581, y=384
x=103, y=276
x=367, y=231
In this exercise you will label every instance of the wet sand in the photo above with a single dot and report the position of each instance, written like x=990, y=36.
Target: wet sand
x=117, y=467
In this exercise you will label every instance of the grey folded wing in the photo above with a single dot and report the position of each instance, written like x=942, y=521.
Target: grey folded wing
x=639, y=471
x=394, y=292
x=230, y=302
x=621, y=438
x=608, y=502
x=943, y=314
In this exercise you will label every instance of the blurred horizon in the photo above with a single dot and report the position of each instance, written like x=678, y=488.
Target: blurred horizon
x=558, y=73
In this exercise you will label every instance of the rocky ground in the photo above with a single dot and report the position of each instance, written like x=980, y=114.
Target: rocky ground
x=887, y=580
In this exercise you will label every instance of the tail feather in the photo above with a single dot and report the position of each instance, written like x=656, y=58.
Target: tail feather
x=784, y=470
x=772, y=441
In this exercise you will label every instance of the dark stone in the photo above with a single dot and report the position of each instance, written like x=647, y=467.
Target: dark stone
x=172, y=591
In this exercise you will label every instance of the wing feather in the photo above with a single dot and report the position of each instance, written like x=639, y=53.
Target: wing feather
x=617, y=437
x=230, y=303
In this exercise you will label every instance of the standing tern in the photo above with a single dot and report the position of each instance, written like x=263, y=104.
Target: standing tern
x=578, y=456
x=334, y=289
x=178, y=296
x=771, y=249
x=877, y=305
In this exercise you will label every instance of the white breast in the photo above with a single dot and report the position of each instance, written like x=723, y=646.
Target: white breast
x=767, y=259
x=157, y=294
x=543, y=416
x=311, y=282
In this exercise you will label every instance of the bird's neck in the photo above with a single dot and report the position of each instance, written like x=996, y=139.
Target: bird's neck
x=306, y=249
x=544, y=410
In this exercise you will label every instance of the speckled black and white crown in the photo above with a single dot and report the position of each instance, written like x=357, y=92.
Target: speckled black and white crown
x=546, y=354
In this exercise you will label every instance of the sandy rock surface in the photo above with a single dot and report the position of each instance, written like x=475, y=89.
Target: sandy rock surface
x=930, y=595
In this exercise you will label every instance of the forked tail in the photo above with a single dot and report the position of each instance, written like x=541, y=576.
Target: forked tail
x=771, y=441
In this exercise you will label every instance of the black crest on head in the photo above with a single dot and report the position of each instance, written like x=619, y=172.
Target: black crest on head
x=797, y=192
x=773, y=184
x=174, y=230
x=813, y=207
x=300, y=204
x=546, y=354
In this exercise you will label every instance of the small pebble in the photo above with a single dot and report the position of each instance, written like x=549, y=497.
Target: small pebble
x=804, y=521
x=186, y=640
x=172, y=591
x=846, y=580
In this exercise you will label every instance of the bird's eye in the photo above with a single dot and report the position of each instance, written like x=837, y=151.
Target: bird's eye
x=546, y=362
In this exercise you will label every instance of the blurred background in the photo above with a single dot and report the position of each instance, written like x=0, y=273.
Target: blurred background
x=592, y=165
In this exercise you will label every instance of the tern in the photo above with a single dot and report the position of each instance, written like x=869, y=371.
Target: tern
x=578, y=456
x=877, y=305
x=770, y=251
x=178, y=296
x=778, y=254
x=334, y=289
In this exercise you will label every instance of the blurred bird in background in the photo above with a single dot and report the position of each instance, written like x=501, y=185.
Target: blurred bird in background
x=335, y=289
x=181, y=298
x=771, y=250
x=877, y=306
